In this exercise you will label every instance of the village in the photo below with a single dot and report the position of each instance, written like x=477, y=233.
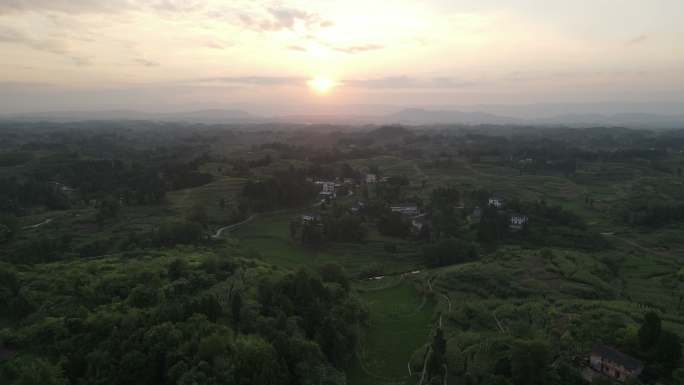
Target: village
x=355, y=196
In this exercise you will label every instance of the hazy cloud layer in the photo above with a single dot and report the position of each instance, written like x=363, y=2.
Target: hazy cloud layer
x=67, y=6
x=375, y=52
x=359, y=48
x=146, y=63
x=255, y=80
x=407, y=82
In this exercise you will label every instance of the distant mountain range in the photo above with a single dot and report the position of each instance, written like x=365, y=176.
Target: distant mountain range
x=632, y=120
x=407, y=116
x=199, y=116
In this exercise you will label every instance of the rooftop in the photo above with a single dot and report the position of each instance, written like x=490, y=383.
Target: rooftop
x=610, y=354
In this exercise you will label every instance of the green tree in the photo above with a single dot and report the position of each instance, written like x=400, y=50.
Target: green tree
x=39, y=372
x=650, y=329
x=678, y=376
x=449, y=252
x=178, y=268
x=334, y=272
x=668, y=350
x=212, y=346
x=198, y=213
x=602, y=381
x=236, y=308
x=438, y=357
x=529, y=362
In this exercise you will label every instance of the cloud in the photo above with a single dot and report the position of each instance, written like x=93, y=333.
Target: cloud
x=181, y=6
x=406, y=82
x=218, y=45
x=637, y=40
x=352, y=49
x=358, y=48
x=53, y=46
x=146, y=63
x=100, y=6
x=255, y=80
x=66, y=6
x=284, y=19
x=391, y=82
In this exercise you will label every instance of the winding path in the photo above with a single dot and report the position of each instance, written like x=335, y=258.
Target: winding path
x=220, y=231
x=45, y=222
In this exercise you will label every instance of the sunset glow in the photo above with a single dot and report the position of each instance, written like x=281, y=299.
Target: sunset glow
x=207, y=53
x=321, y=85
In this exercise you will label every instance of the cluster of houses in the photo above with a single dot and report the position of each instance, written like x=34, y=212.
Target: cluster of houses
x=516, y=221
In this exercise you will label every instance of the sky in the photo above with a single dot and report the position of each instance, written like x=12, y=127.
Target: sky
x=170, y=54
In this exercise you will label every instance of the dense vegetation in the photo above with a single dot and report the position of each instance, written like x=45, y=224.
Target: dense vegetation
x=152, y=253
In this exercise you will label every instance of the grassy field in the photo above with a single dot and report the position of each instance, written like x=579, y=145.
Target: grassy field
x=269, y=239
x=401, y=320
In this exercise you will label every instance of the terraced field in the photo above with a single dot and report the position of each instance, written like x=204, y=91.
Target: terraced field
x=209, y=195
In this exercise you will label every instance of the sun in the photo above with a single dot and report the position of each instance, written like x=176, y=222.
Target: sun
x=322, y=85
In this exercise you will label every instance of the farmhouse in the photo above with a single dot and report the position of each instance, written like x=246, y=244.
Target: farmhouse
x=310, y=218
x=614, y=364
x=327, y=189
x=517, y=221
x=497, y=201
x=407, y=209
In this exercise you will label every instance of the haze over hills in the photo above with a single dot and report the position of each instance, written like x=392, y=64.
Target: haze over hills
x=654, y=115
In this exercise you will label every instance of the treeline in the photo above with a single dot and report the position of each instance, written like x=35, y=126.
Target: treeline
x=135, y=182
x=283, y=189
x=337, y=227
x=654, y=214
x=17, y=194
x=52, y=248
x=661, y=349
x=175, y=323
x=548, y=226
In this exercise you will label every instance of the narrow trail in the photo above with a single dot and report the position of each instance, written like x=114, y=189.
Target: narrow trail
x=45, y=222
x=234, y=226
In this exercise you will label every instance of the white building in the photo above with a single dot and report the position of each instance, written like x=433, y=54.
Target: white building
x=517, y=221
x=327, y=189
x=497, y=202
x=310, y=218
x=371, y=178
